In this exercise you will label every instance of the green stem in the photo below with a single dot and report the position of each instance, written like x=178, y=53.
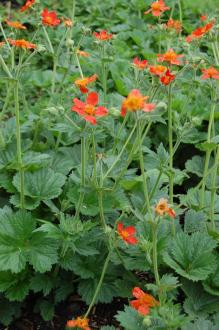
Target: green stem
x=72, y=122
x=94, y=157
x=48, y=40
x=83, y=169
x=99, y=285
x=155, y=265
x=120, y=154
x=100, y=200
x=141, y=158
x=79, y=65
x=104, y=75
x=5, y=67
x=170, y=137
x=213, y=190
x=55, y=62
x=19, y=150
x=208, y=152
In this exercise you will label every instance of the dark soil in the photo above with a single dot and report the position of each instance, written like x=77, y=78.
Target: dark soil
x=102, y=314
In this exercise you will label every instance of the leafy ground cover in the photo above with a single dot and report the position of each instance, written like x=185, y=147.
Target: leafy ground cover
x=109, y=156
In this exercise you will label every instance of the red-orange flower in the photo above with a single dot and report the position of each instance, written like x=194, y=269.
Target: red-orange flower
x=157, y=8
x=210, y=73
x=157, y=70
x=163, y=208
x=82, y=53
x=167, y=78
x=127, y=233
x=15, y=25
x=78, y=323
x=136, y=101
x=49, y=18
x=21, y=43
x=88, y=110
x=174, y=25
x=143, y=302
x=200, y=31
x=103, y=35
x=83, y=82
x=141, y=65
x=170, y=56
x=203, y=18
x=28, y=4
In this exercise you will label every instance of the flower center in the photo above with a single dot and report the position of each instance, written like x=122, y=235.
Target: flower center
x=90, y=109
x=156, y=6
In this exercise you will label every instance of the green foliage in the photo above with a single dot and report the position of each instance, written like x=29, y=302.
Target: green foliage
x=191, y=256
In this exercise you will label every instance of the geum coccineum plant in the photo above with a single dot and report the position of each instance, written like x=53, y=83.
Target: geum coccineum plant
x=109, y=156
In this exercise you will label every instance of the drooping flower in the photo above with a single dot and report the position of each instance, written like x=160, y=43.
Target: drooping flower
x=157, y=70
x=82, y=53
x=141, y=65
x=15, y=25
x=203, y=18
x=136, y=101
x=200, y=31
x=170, y=56
x=21, y=43
x=127, y=233
x=28, y=4
x=167, y=78
x=163, y=208
x=83, y=82
x=103, y=35
x=67, y=22
x=49, y=18
x=174, y=25
x=143, y=301
x=79, y=323
x=157, y=8
x=210, y=73
x=89, y=110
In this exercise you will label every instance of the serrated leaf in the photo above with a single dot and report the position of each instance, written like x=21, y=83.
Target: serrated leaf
x=191, y=256
x=130, y=319
x=42, y=184
x=47, y=310
x=194, y=221
x=42, y=282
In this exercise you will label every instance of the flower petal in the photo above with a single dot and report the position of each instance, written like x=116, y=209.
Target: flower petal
x=92, y=98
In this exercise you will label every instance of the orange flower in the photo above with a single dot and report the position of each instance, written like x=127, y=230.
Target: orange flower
x=167, y=78
x=136, y=101
x=49, y=18
x=79, y=323
x=82, y=53
x=28, y=4
x=157, y=8
x=162, y=208
x=141, y=65
x=143, y=302
x=174, y=25
x=103, y=35
x=127, y=234
x=170, y=56
x=200, y=31
x=15, y=25
x=157, y=70
x=89, y=110
x=67, y=22
x=210, y=73
x=83, y=82
x=21, y=43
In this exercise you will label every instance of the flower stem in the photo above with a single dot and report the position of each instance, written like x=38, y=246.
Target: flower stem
x=83, y=169
x=48, y=40
x=208, y=152
x=100, y=200
x=79, y=65
x=214, y=189
x=104, y=75
x=170, y=137
x=99, y=285
x=155, y=265
x=19, y=149
x=141, y=158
